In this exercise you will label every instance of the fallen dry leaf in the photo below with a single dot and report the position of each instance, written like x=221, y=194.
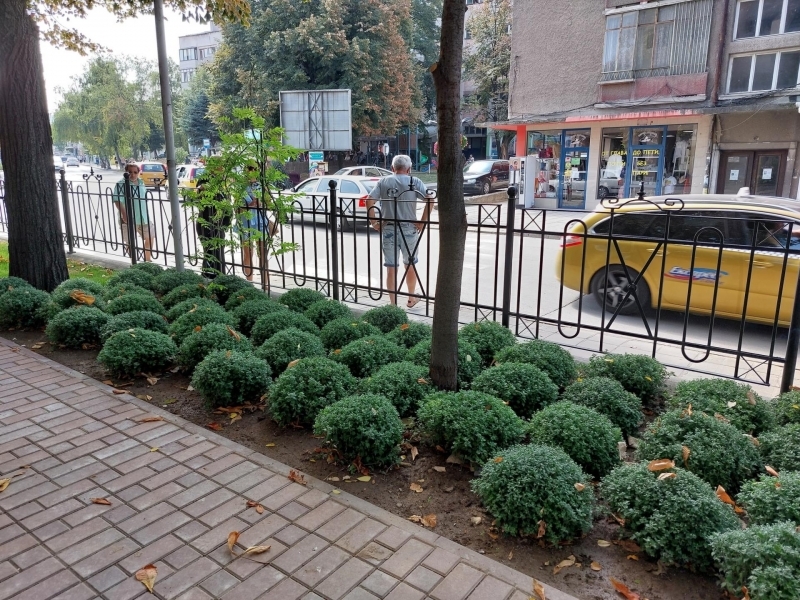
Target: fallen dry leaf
x=403, y=327
x=37, y=346
x=103, y=501
x=476, y=520
x=746, y=593
x=108, y=382
x=603, y=543
x=567, y=562
x=234, y=335
x=538, y=589
x=198, y=328
x=233, y=536
x=632, y=557
x=429, y=521
x=151, y=419
x=82, y=297
x=189, y=388
x=255, y=550
x=297, y=477
x=686, y=452
x=723, y=495
x=440, y=469
x=664, y=476
x=4, y=484
x=595, y=566
x=119, y=392
x=415, y=519
x=414, y=453
x=629, y=545
x=260, y=509
x=542, y=529
x=235, y=417
x=619, y=520
x=147, y=575
x=771, y=471
x=624, y=590
x=153, y=449
x=580, y=487
x=751, y=397
x=270, y=445
x=213, y=426
x=660, y=464
x=364, y=478
x=492, y=533
x=498, y=459
x=454, y=459
x=152, y=380
x=415, y=487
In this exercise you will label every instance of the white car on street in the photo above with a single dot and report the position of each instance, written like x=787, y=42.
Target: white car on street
x=363, y=171
x=73, y=162
x=351, y=192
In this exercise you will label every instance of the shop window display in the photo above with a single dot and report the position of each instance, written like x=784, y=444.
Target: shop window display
x=546, y=146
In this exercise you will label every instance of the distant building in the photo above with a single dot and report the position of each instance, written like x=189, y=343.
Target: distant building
x=197, y=49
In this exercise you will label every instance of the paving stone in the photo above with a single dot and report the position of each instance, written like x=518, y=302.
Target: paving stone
x=300, y=553
x=211, y=539
x=379, y=583
x=288, y=589
x=31, y=557
x=232, y=507
x=393, y=537
x=441, y=561
x=405, y=592
x=374, y=553
x=159, y=494
x=182, y=557
x=337, y=527
x=283, y=496
x=50, y=585
x=264, y=529
x=164, y=525
x=423, y=579
x=320, y=566
x=185, y=578
x=313, y=498
x=16, y=546
x=291, y=534
x=165, y=477
x=218, y=465
x=151, y=554
x=131, y=493
x=254, y=586
x=360, y=594
x=51, y=530
x=107, y=578
x=106, y=557
x=76, y=552
x=204, y=505
x=360, y=535
x=344, y=579
x=79, y=592
x=293, y=511
x=193, y=493
x=406, y=558
x=190, y=531
x=14, y=586
x=219, y=583
x=458, y=584
x=195, y=594
x=491, y=588
x=249, y=481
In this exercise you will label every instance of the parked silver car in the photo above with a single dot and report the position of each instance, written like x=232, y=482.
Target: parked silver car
x=312, y=194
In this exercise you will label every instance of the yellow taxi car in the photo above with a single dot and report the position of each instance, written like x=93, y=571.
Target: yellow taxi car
x=188, y=175
x=153, y=173
x=700, y=254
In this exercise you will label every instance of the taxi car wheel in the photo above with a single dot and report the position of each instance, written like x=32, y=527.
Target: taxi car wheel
x=602, y=192
x=615, y=292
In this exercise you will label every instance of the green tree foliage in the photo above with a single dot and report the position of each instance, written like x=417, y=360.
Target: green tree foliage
x=192, y=110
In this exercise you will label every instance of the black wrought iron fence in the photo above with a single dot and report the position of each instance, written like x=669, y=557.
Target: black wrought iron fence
x=705, y=286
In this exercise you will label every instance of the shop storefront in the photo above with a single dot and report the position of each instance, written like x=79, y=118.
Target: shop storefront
x=561, y=165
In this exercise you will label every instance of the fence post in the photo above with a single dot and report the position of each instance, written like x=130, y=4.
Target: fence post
x=507, y=268
x=129, y=224
x=792, y=344
x=333, y=220
x=67, y=213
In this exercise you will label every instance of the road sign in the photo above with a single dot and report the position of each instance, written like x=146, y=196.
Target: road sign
x=317, y=119
x=206, y=143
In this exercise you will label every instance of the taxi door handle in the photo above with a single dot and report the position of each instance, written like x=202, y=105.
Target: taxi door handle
x=759, y=264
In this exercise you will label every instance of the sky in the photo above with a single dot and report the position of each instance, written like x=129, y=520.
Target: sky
x=133, y=37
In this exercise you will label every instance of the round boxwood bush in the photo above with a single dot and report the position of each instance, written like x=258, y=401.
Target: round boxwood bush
x=673, y=519
x=9, y=283
x=340, y=332
x=404, y=384
x=184, y=292
x=735, y=401
x=269, y=324
x=23, y=307
x=141, y=319
x=75, y=292
x=772, y=499
x=765, y=559
x=133, y=351
x=787, y=408
x=469, y=361
x=589, y=438
x=131, y=302
x=366, y=355
x=224, y=286
x=229, y=377
x=243, y=295
x=410, y=334
x=288, y=345
x=247, y=313
x=780, y=448
x=473, y=425
x=489, y=337
x=189, y=322
x=386, y=317
x=132, y=277
x=531, y=484
x=300, y=299
x=212, y=337
x=80, y=283
x=170, y=279
x=365, y=427
x=76, y=326
x=177, y=311
x=639, y=374
x=148, y=267
x=122, y=289
x=304, y=389
x=717, y=452
x=609, y=398
x=525, y=387
x=549, y=357
x=323, y=312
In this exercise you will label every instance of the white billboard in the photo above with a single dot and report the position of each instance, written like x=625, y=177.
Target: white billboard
x=317, y=119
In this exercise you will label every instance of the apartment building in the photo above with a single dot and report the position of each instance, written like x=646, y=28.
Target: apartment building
x=477, y=138
x=197, y=49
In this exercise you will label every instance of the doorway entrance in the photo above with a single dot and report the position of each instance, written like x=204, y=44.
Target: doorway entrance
x=761, y=171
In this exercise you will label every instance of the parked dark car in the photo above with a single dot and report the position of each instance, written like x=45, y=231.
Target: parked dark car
x=485, y=176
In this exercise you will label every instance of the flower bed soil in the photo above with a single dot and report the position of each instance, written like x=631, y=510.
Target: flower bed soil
x=446, y=494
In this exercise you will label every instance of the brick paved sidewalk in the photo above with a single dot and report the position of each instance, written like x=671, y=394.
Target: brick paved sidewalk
x=175, y=506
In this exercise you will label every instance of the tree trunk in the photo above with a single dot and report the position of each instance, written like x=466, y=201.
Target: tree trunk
x=452, y=214
x=36, y=246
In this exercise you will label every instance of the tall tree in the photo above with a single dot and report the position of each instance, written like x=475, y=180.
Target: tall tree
x=36, y=249
x=452, y=213
x=193, y=109
x=423, y=43
x=487, y=64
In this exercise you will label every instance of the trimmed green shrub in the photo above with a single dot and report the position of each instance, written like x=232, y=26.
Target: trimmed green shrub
x=772, y=499
x=410, y=334
x=303, y=390
x=229, y=377
x=250, y=311
x=763, y=558
x=366, y=355
x=639, y=374
x=588, y=438
x=170, y=279
x=404, y=384
x=76, y=326
x=718, y=452
x=609, y=398
x=473, y=425
x=489, y=337
x=780, y=448
x=224, y=286
x=469, y=360
x=672, y=519
x=129, y=352
x=737, y=402
x=386, y=317
x=81, y=283
x=787, y=407
x=525, y=387
x=323, y=312
x=269, y=324
x=137, y=319
x=340, y=332
x=189, y=322
x=23, y=307
x=177, y=311
x=9, y=283
x=212, y=337
x=533, y=484
x=300, y=299
x=122, y=289
x=131, y=302
x=243, y=295
x=138, y=277
x=148, y=267
x=184, y=292
x=549, y=357
x=288, y=345
x=63, y=299
x=366, y=427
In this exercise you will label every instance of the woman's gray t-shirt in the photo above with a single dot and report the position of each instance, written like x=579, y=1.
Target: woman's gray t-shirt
x=397, y=199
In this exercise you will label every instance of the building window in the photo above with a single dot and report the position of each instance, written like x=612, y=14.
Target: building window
x=467, y=34
x=755, y=18
x=206, y=53
x=186, y=75
x=763, y=72
x=188, y=54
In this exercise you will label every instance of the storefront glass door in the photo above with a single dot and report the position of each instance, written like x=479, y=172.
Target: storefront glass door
x=647, y=156
x=573, y=171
